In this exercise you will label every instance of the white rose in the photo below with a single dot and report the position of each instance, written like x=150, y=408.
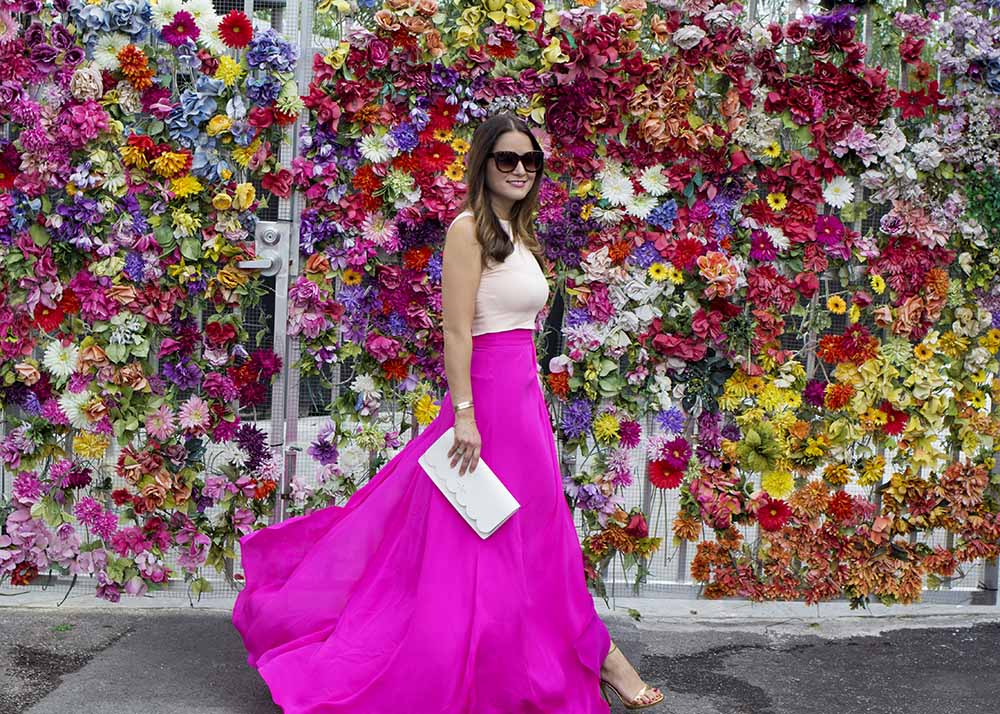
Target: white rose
x=688, y=36
x=86, y=83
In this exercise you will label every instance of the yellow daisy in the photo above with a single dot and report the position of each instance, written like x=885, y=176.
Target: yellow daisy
x=350, y=276
x=443, y=135
x=169, y=163
x=836, y=305
x=90, y=446
x=425, y=410
x=878, y=283
x=777, y=484
x=777, y=201
x=606, y=428
x=773, y=150
x=854, y=314
x=586, y=211
x=185, y=186
x=455, y=171
x=461, y=146
x=229, y=70
x=977, y=400
x=923, y=352
x=657, y=271
x=674, y=275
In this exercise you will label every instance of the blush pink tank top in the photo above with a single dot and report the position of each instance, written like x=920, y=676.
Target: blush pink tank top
x=510, y=293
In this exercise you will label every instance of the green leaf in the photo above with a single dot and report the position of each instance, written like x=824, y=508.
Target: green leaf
x=117, y=353
x=39, y=235
x=191, y=248
x=165, y=237
x=155, y=127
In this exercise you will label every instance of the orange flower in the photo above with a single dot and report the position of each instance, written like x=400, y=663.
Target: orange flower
x=135, y=67
x=395, y=369
x=417, y=258
x=837, y=395
x=558, y=383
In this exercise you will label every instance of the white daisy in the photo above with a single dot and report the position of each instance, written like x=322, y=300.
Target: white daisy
x=107, y=48
x=617, y=188
x=72, y=406
x=641, y=206
x=164, y=11
x=364, y=384
x=778, y=237
x=839, y=192
x=203, y=13
x=375, y=149
x=210, y=39
x=353, y=459
x=607, y=216
x=60, y=361
x=653, y=181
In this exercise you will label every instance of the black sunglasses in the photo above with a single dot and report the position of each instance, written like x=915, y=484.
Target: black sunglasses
x=507, y=160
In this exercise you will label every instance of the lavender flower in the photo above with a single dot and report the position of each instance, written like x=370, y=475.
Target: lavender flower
x=576, y=418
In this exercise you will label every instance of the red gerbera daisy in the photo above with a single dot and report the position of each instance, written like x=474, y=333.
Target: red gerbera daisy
x=235, y=30
x=662, y=476
x=48, y=318
x=773, y=513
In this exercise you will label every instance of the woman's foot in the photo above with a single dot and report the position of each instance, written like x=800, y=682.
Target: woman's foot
x=620, y=673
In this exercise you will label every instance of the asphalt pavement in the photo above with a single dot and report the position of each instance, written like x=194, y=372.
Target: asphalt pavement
x=728, y=657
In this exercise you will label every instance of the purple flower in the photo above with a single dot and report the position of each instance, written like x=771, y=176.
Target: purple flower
x=576, y=418
x=761, y=247
x=814, y=392
x=254, y=442
x=671, y=420
x=27, y=487
x=324, y=448
x=644, y=256
x=181, y=29
x=185, y=375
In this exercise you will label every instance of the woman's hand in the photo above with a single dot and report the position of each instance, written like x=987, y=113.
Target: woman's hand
x=467, y=442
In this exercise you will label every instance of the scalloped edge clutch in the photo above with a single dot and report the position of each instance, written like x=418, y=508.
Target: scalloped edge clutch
x=478, y=496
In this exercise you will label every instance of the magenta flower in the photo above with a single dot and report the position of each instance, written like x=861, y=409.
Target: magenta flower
x=180, y=29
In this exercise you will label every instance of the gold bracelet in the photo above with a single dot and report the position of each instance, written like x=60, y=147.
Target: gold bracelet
x=463, y=405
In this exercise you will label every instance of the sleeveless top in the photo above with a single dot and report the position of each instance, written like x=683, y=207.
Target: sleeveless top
x=510, y=293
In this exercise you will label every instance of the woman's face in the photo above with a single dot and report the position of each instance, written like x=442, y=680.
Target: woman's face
x=508, y=189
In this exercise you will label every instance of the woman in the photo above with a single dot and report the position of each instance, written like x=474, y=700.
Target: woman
x=392, y=603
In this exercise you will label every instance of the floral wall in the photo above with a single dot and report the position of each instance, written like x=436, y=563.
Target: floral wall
x=777, y=272
x=133, y=137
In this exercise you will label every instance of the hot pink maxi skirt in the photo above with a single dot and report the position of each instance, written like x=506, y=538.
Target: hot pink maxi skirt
x=392, y=603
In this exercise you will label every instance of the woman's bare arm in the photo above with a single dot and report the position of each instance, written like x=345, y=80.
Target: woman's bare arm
x=460, y=273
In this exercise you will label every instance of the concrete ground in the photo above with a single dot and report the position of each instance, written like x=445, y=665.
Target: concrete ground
x=160, y=656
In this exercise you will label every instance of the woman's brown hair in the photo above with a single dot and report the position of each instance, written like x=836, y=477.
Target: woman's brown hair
x=489, y=232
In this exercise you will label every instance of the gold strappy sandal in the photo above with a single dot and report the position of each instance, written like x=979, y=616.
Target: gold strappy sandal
x=629, y=703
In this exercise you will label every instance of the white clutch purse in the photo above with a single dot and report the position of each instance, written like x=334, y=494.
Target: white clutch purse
x=479, y=496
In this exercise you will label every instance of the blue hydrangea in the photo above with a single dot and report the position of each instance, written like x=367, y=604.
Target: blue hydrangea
x=134, y=267
x=406, y=137
x=129, y=17
x=664, y=215
x=644, y=256
x=185, y=120
x=263, y=90
x=270, y=51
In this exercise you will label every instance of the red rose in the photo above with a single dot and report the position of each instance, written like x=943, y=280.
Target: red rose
x=219, y=333
x=378, y=53
x=261, y=117
x=807, y=284
x=280, y=183
x=637, y=527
